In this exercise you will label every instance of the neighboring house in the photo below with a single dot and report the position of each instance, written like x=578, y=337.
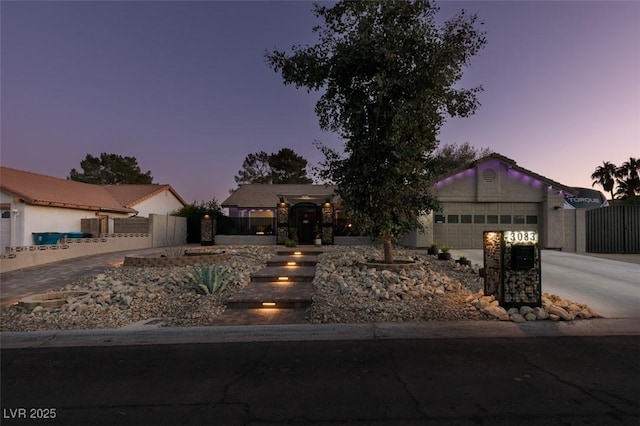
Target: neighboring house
x=491, y=193
x=34, y=203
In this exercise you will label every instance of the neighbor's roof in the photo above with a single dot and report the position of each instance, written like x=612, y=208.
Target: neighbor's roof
x=130, y=195
x=258, y=195
x=513, y=165
x=34, y=188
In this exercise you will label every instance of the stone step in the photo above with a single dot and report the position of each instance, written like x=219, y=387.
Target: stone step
x=277, y=294
x=261, y=316
x=297, y=260
x=299, y=252
x=292, y=273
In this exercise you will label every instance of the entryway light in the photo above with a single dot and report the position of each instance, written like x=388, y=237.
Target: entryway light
x=291, y=263
x=297, y=253
x=283, y=278
x=268, y=304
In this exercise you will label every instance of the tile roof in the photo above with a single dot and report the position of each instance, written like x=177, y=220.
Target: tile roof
x=34, y=188
x=130, y=195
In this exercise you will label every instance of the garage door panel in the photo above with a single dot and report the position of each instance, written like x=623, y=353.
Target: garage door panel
x=455, y=234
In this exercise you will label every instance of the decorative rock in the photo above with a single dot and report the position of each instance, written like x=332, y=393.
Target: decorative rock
x=561, y=313
x=497, y=311
x=540, y=313
x=517, y=318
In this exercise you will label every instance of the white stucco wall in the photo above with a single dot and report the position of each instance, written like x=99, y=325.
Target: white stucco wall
x=162, y=203
x=50, y=219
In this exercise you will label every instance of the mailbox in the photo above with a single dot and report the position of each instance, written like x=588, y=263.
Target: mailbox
x=522, y=257
x=512, y=268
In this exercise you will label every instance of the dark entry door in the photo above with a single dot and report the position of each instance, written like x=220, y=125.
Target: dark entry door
x=305, y=217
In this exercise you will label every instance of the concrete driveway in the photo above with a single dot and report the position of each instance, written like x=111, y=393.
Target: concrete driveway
x=610, y=287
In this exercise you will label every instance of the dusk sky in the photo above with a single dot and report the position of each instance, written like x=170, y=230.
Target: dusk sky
x=183, y=86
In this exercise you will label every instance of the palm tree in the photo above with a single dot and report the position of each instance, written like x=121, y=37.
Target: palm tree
x=628, y=176
x=605, y=176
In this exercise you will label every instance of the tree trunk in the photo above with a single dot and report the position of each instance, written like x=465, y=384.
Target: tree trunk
x=388, y=250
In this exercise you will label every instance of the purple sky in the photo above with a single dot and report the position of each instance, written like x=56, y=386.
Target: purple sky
x=183, y=86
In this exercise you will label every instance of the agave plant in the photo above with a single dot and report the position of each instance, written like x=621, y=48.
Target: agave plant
x=211, y=278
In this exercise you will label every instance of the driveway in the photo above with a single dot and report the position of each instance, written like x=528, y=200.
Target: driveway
x=610, y=287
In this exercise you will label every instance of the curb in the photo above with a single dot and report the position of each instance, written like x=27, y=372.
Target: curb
x=318, y=332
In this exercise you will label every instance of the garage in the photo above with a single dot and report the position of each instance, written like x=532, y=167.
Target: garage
x=460, y=225
x=494, y=193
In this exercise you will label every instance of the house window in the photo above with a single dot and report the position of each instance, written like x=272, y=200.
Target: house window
x=478, y=218
x=532, y=219
x=452, y=218
x=465, y=218
x=439, y=218
x=492, y=218
x=6, y=214
x=505, y=218
x=518, y=219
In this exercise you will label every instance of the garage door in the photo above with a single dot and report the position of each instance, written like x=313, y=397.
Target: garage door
x=460, y=225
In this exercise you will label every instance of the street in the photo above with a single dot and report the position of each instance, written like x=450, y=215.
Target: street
x=495, y=381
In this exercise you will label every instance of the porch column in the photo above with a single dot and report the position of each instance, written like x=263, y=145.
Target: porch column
x=282, y=221
x=327, y=223
x=207, y=230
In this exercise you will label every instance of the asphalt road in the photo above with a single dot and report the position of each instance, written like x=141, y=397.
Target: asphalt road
x=574, y=380
x=610, y=287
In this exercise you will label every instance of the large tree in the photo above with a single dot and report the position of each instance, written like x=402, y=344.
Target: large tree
x=389, y=77
x=449, y=157
x=110, y=169
x=628, y=179
x=605, y=176
x=285, y=166
x=623, y=183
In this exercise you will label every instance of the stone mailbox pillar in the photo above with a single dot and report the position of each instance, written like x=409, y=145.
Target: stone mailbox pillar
x=513, y=268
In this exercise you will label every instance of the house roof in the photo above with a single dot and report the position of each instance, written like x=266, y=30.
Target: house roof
x=34, y=188
x=512, y=165
x=268, y=195
x=130, y=195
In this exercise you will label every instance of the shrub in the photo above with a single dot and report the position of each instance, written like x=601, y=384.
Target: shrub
x=211, y=278
x=290, y=243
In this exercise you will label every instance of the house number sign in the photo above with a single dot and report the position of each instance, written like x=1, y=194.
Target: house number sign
x=521, y=237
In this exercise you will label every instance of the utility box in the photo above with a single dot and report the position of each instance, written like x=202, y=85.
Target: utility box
x=513, y=268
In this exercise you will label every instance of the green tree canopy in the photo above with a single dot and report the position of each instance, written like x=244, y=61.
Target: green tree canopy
x=199, y=209
x=110, y=169
x=390, y=78
x=449, y=157
x=285, y=166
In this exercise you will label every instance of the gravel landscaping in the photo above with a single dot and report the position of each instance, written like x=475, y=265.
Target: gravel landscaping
x=345, y=291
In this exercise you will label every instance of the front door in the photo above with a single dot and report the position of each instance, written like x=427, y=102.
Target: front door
x=305, y=218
